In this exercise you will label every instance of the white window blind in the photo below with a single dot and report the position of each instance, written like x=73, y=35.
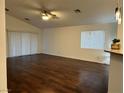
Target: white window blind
x=93, y=39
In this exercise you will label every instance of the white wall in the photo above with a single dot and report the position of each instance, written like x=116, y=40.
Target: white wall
x=120, y=34
x=65, y=41
x=16, y=25
x=3, y=76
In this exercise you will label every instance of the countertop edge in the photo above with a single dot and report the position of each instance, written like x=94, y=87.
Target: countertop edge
x=114, y=51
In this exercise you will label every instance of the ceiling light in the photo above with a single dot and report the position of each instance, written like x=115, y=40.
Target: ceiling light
x=6, y=9
x=118, y=13
x=119, y=20
x=45, y=17
x=77, y=11
x=27, y=19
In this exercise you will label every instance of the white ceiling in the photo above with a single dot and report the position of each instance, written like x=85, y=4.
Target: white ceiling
x=92, y=11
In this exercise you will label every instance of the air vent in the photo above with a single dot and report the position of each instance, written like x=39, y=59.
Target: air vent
x=27, y=19
x=6, y=9
x=77, y=11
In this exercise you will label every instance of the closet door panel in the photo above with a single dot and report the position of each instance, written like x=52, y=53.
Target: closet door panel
x=18, y=44
x=14, y=44
x=25, y=37
x=22, y=43
x=11, y=44
x=34, y=43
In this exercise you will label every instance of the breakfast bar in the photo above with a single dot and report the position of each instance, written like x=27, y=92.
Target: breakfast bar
x=115, y=71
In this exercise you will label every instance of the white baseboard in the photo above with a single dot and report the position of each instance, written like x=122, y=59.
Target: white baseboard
x=74, y=58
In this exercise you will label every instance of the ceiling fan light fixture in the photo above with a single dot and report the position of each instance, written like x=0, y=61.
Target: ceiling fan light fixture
x=118, y=13
x=45, y=17
x=119, y=20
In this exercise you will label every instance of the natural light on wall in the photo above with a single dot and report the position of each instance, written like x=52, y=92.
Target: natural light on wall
x=93, y=39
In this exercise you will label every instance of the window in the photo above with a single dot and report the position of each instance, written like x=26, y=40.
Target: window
x=93, y=39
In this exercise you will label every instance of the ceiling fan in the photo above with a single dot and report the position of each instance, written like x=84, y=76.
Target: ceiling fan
x=46, y=15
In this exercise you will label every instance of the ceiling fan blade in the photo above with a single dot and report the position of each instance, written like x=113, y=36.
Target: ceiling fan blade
x=54, y=16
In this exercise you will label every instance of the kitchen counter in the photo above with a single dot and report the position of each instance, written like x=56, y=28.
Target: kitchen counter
x=115, y=71
x=114, y=51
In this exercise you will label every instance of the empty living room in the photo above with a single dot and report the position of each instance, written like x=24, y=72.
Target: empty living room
x=61, y=46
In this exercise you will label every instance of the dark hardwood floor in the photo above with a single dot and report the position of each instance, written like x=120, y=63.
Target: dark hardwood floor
x=51, y=74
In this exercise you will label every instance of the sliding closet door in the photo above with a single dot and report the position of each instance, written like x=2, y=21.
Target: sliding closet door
x=25, y=38
x=34, y=43
x=14, y=44
x=22, y=43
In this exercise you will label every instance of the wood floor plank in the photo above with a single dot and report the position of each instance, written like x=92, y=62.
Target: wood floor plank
x=44, y=73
